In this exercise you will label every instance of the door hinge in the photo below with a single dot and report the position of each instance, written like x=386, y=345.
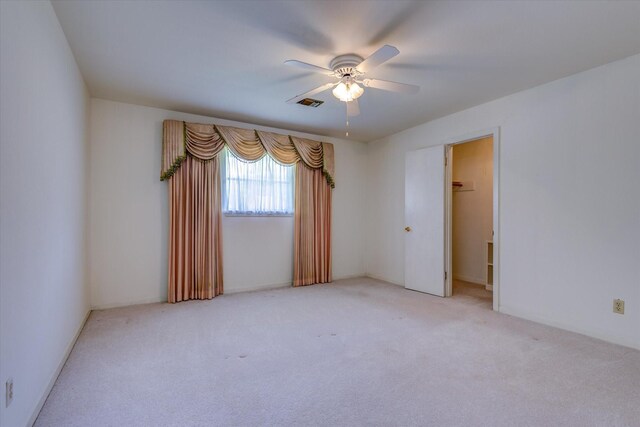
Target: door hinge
x=445, y=275
x=445, y=159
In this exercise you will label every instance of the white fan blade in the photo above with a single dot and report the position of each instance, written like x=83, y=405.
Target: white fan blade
x=309, y=67
x=311, y=93
x=353, y=108
x=381, y=55
x=390, y=86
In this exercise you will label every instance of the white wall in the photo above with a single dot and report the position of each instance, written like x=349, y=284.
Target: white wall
x=569, y=199
x=472, y=211
x=43, y=155
x=129, y=213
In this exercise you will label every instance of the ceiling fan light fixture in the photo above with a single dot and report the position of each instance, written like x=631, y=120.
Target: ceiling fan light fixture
x=347, y=92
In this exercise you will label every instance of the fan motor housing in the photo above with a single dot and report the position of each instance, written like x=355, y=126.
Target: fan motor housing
x=345, y=65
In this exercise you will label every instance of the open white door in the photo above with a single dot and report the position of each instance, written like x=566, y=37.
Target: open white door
x=425, y=220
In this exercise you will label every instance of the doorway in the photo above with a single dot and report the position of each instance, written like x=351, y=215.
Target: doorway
x=471, y=216
x=428, y=219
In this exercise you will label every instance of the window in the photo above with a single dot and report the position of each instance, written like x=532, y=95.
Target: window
x=264, y=187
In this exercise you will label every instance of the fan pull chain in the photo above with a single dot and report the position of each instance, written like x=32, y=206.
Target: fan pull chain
x=347, y=133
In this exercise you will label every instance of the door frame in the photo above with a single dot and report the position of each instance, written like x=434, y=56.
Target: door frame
x=448, y=194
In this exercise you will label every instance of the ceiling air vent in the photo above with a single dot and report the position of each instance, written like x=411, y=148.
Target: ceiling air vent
x=308, y=102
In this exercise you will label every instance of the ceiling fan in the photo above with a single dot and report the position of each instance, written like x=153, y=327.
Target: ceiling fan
x=350, y=70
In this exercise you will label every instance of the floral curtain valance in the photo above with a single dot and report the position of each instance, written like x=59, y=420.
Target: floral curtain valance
x=204, y=142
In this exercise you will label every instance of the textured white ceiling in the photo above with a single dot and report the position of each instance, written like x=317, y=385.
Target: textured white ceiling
x=225, y=58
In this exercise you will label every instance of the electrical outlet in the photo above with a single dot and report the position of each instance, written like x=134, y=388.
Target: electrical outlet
x=618, y=306
x=9, y=392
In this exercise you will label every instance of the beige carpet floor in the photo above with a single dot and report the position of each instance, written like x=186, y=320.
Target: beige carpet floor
x=356, y=352
x=473, y=293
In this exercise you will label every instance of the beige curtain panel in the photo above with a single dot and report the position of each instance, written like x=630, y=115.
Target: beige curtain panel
x=191, y=164
x=195, y=235
x=312, y=227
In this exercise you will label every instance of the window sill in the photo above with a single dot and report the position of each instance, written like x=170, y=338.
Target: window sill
x=253, y=215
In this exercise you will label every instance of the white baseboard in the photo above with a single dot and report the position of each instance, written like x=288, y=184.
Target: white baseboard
x=227, y=291
x=469, y=279
x=128, y=303
x=383, y=279
x=523, y=314
x=56, y=373
x=280, y=285
x=257, y=288
x=349, y=276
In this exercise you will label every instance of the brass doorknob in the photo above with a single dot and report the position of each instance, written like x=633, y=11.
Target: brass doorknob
x=407, y=229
